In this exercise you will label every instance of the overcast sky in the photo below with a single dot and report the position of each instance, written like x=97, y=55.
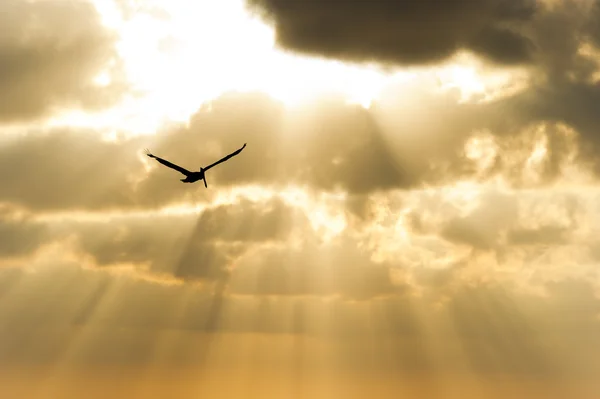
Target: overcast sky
x=416, y=211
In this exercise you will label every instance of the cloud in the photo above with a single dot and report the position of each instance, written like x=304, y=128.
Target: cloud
x=504, y=222
x=483, y=226
x=50, y=52
x=324, y=147
x=428, y=228
x=450, y=235
x=251, y=243
x=278, y=279
x=328, y=146
x=562, y=69
x=223, y=234
x=250, y=221
x=562, y=91
x=335, y=268
x=402, y=32
x=545, y=235
x=188, y=247
x=420, y=272
x=67, y=169
x=19, y=235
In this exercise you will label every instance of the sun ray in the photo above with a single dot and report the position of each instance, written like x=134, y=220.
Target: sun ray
x=391, y=230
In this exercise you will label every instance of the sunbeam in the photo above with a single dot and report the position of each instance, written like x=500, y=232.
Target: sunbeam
x=400, y=210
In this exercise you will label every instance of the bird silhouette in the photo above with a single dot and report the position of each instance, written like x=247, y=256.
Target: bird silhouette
x=192, y=177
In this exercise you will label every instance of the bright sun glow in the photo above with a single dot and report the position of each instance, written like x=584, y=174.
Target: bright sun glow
x=179, y=54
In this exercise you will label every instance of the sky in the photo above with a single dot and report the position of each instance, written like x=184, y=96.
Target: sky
x=416, y=212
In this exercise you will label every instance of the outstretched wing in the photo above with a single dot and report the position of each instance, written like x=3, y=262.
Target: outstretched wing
x=169, y=164
x=225, y=158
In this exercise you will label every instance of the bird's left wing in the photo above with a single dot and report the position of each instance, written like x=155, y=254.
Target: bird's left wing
x=225, y=158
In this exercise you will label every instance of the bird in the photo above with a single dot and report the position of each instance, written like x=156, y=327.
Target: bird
x=190, y=176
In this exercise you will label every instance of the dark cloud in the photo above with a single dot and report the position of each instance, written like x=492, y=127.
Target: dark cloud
x=424, y=138
x=50, y=52
x=406, y=144
x=569, y=103
x=562, y=88
x=402, y=32
x=593, y=23
x=502, y=46
x=573, y=104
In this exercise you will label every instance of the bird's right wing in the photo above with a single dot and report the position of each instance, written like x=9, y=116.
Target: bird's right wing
x=169, y=164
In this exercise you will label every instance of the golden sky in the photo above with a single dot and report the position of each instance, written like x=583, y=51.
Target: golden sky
x=416, y=213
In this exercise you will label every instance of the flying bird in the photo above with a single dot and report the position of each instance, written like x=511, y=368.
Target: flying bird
x=191, y=177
